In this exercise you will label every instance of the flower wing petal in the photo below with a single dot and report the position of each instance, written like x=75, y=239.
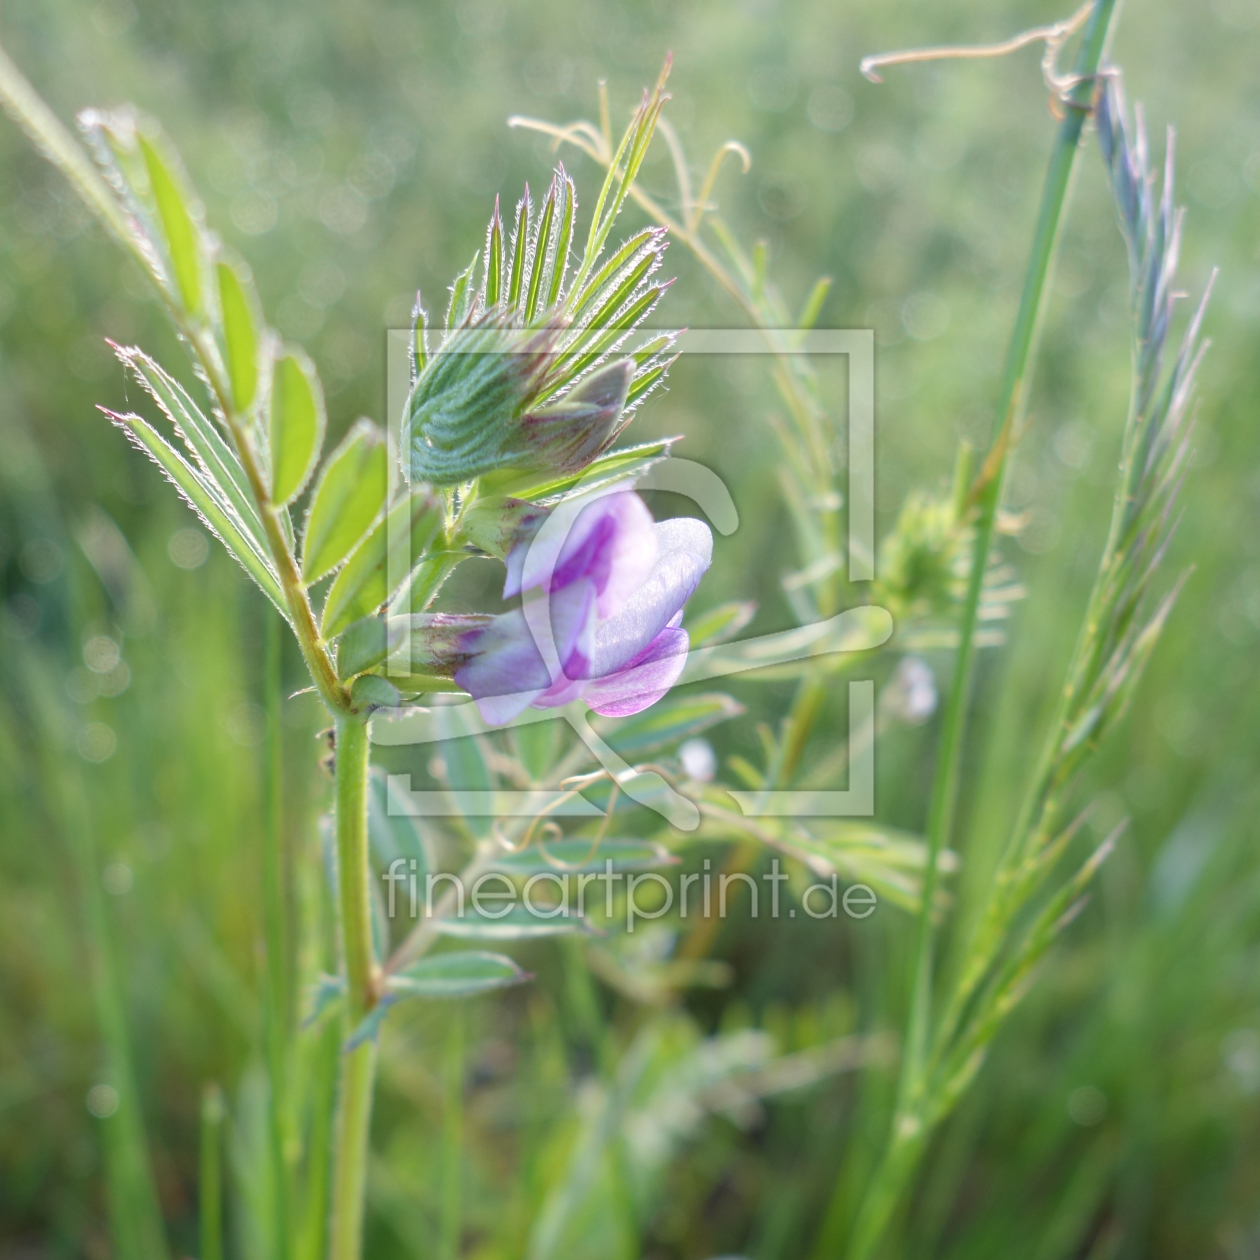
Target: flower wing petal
x=644, y=680
x=684, y=552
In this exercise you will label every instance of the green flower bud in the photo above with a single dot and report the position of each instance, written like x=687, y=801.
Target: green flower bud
x=569, y=434
x=468, y=403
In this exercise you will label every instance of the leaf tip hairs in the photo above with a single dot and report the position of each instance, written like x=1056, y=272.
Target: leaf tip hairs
x=550, y=337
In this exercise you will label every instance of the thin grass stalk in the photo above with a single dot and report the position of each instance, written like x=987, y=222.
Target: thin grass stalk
x=277, y=1014
x=450, y=1225
x=358, y=1067
x=906, y=1136
x=134, y=1206
x=210, y=1173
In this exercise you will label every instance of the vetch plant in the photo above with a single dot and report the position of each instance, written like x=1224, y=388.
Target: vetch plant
x=521, y=396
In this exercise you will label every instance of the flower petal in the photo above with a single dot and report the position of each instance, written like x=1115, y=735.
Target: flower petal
x=507, y=670
x=644, y=680
x=684, y=552
x=610, y=540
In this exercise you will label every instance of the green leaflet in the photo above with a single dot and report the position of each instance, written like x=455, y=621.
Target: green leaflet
x=215, y=459
x=297, y=425
x=668, y=722
x=520, y=249
x=240, y=337
x=419, y=340
x=494, y=259
x=463, y=974
x=206, y=499
x=462, y=295
x=579, y=856
x=456, y=975
x=382, y=561
x=183, y=240
x=507, y=922
x=425, y=581
x=348, y=497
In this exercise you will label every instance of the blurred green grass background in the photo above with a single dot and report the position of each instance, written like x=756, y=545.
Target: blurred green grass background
x=350, y=152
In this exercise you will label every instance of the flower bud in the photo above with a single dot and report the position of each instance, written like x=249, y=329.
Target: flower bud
x=466, y=407
x=569, y=434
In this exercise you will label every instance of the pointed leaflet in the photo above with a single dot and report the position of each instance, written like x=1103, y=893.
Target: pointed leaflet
x=520, y=253
x=494, y=260
x=216, y=460
x=539, y=255
x=558, y=249
x=398, y=542
x=206, y=502
x=183, y=239
x=419, y=339
x=463, y=974
x=633, y=147
x=240, y=337
x=500, y=920
x=348, y=497
x=620, y=465
x=461, y=303
x=297, y=425
x=456, y=975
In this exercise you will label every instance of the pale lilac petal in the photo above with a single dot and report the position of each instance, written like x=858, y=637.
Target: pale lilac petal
x=507, y=669
x=613, y=542
x=610, y=540
x=505, y=672
x=685, y=550
x=644, y=680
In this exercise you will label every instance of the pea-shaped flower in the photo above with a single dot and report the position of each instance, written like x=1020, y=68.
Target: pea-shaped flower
x=603, y=589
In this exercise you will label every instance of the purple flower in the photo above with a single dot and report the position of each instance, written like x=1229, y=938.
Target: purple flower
x=603, y=588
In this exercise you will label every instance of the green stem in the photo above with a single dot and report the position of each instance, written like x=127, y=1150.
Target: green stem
x=210, y=1173
x=276, y=929
x=987, y=492
x=452, y=1139
x=354, y=1103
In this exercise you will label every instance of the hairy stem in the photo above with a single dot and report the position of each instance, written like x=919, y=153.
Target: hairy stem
x=354, y=1103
